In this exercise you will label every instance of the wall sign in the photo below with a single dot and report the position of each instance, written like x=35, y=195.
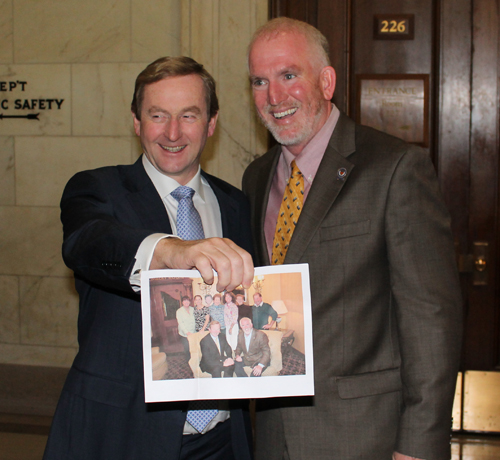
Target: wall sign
x=394, y=26
x=11, y=100
x=395, y=104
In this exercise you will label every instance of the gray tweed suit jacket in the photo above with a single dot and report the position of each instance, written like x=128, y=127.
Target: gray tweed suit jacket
x=387, y=315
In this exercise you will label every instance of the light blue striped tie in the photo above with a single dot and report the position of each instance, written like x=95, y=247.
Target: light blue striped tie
x=189, y=227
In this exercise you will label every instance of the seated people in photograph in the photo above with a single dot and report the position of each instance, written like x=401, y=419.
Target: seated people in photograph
x=201, y=314
x=186, y=323
x=216, y=354
x=244, y=310
x=261, y=312
x=252, y=350
x=216, y=309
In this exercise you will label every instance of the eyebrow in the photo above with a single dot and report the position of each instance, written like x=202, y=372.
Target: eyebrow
x=290, y=68
x=155, y=108
x=283, y=71
x=193, y=108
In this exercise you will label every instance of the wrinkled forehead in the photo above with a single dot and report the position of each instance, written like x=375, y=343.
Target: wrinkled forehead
x=287, y=43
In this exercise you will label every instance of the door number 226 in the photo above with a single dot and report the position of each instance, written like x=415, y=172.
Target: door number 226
x=393, y=26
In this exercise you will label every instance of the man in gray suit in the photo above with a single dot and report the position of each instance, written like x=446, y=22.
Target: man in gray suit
x=252, y=350
x=387, y=319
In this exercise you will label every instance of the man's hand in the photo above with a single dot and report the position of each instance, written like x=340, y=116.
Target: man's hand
x=233, y=264
x=238, y=358
x=257, y=370
x=228, y=362
x=398, y=456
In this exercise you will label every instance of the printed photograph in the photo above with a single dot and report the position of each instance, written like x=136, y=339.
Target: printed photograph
x=204, y=344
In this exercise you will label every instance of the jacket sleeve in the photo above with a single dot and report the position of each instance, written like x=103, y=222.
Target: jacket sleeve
x=98, y=245
x=428, y=305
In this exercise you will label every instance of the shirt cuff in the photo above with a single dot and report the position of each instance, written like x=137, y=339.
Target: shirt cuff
x=143, y=258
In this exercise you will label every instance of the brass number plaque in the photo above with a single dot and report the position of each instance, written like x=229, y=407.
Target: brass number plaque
x=393, y=26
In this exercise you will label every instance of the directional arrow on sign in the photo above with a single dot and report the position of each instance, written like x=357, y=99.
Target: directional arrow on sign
x=30, y=116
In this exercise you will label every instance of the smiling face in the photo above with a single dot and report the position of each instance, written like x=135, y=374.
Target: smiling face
x=215, y=329
x=291, y=89
x=246, y=325
x=174, y=125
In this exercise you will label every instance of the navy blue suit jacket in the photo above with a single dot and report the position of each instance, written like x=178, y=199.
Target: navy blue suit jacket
x=106, y=213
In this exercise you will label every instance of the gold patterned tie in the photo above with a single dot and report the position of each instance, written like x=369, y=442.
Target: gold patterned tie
x=290, y=209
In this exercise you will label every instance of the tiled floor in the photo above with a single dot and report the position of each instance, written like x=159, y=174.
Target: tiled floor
x=21, y=446
x=478, y=447
x=23, y=437
x=27, y=442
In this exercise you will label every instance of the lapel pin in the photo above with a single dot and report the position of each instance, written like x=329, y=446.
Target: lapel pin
x=341, y=174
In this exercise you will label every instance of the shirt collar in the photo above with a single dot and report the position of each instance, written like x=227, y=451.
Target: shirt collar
x=165, y=184
x=309, y=159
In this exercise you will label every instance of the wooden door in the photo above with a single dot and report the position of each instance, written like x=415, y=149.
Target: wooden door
x=456, y=43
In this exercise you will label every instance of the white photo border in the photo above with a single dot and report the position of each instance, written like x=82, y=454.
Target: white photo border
x=227, y=388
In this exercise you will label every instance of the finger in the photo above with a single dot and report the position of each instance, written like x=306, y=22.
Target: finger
x=246, y=274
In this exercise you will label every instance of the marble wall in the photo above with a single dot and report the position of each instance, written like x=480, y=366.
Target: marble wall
x=83, y=57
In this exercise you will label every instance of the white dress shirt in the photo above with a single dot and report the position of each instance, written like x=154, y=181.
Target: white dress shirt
x=204, y=201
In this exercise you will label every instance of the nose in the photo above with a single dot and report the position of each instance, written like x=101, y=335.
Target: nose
x=276, y=93
x=173, y=130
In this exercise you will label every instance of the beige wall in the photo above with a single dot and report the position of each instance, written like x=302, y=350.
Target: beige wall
x=286, y=287
x=88, y=53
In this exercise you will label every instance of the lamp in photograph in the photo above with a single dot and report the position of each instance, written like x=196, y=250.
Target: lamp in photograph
x=280, y=308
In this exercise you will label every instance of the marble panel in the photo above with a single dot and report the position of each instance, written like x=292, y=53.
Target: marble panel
x=156, y=28
x=36, y=355
x=6, y=38
x=217, y=33
x=52, y=31
x=40, y=95
x=31, y=241
x=49, y=311
x=7, y=172
x=237, y=120
x=9, y=309
x=101, y=98
x=45, y=164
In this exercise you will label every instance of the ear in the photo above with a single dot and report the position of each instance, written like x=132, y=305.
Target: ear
x=327, y=80
x=137, y=125
x=211, y=124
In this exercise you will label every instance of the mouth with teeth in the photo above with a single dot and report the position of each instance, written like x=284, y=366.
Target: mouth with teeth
x=172, y=149
x=285, y=113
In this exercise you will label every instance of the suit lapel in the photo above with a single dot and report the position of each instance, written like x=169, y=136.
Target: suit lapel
x=144, y=199
x=263, y=184
x=229, y=208
x=326, y=187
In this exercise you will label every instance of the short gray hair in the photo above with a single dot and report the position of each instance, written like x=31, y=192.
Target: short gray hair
x=315, y=38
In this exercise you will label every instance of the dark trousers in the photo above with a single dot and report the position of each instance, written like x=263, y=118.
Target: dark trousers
x=240, y=372
x=213, y=445
x=185, y=344
x=218, y=370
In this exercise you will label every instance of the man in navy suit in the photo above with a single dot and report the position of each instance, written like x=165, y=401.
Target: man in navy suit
x=120, y=220
x=216, y=353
